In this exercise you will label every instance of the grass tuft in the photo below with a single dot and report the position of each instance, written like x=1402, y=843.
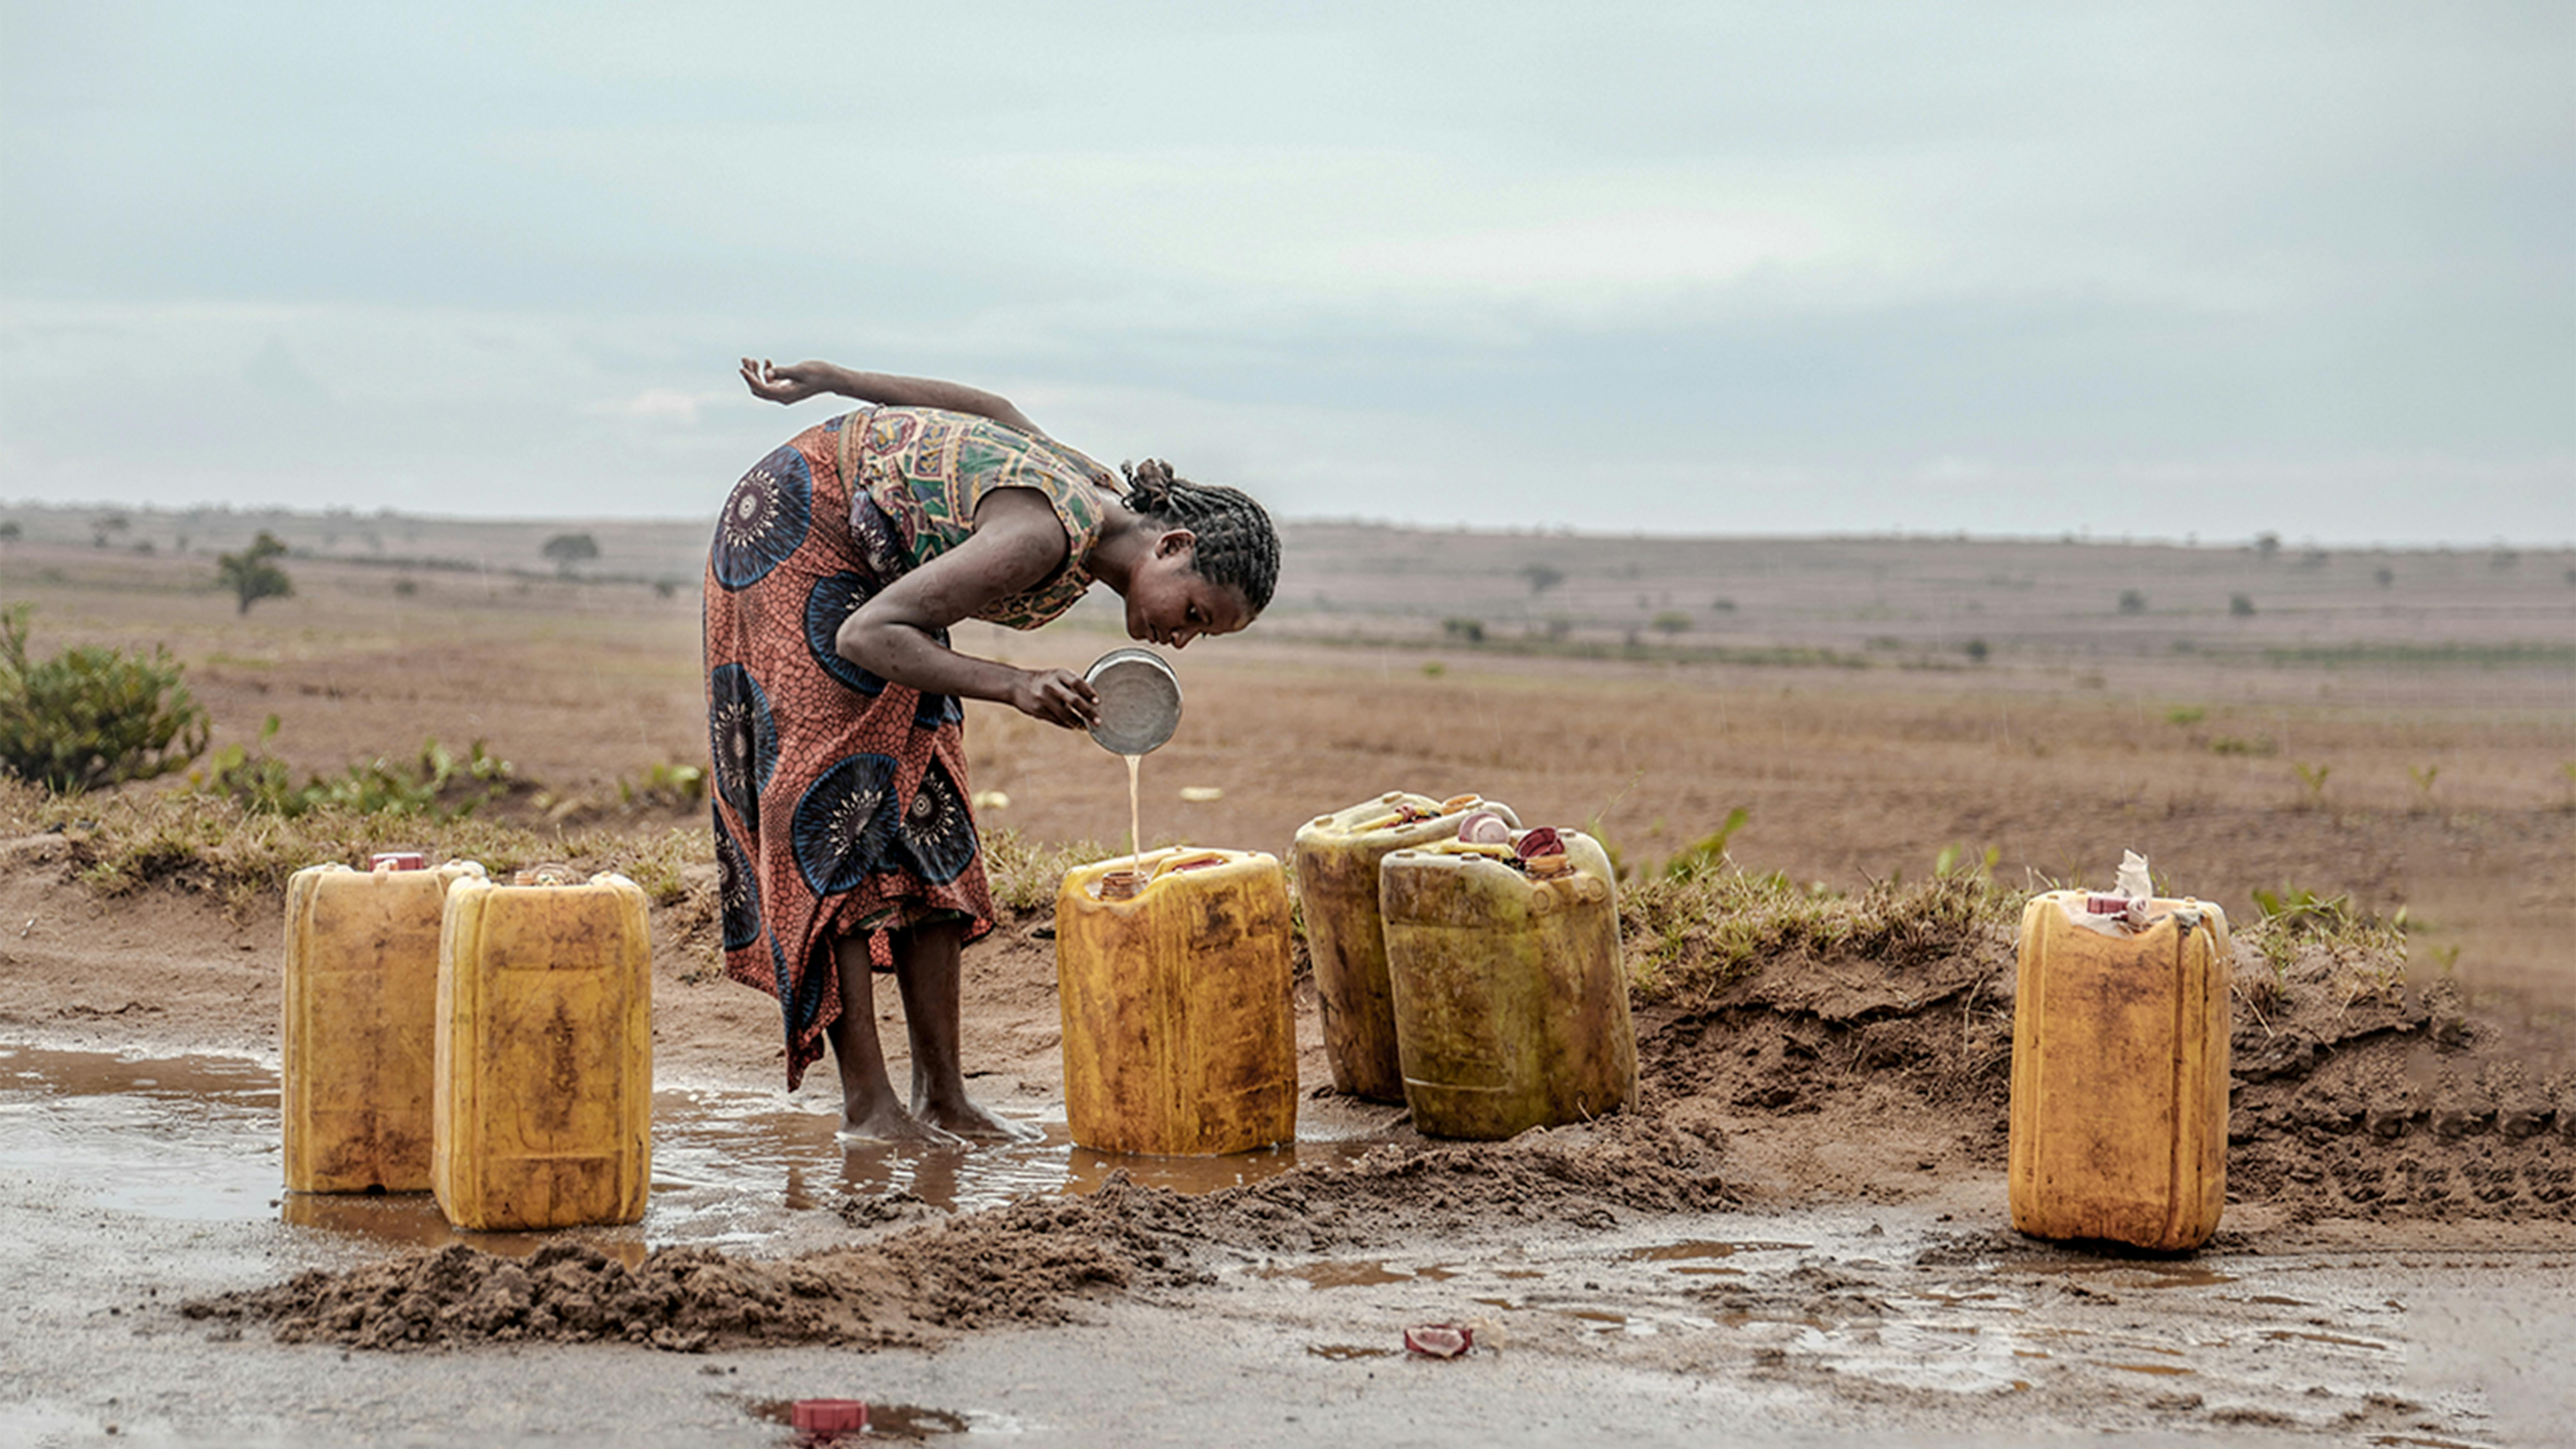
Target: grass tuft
x=127, y=840
x=1690, y=934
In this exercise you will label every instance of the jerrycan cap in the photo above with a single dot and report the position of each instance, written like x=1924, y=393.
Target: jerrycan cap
x=1140, y=701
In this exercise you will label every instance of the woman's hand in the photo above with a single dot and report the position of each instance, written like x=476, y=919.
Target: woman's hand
x=1058, y=696
x=790, y=384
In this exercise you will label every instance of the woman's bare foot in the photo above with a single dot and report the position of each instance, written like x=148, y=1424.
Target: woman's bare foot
x=968, y=1120
x=890, y=1123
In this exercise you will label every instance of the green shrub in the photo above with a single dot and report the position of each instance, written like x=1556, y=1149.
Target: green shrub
x=91, y=717
x=437, y=783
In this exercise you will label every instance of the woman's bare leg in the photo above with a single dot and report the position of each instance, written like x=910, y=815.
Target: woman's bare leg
x=869, y=1107
x=926, y=966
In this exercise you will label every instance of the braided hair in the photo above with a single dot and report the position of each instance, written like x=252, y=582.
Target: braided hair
x=1236, y=543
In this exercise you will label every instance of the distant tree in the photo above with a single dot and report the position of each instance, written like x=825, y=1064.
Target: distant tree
x=1977, y=651
x=1470, y=631
x=2386, y=576
x=568, y=549
x=1672, y=621
x=1542, y=577
x=11, y=532
x=2267, y=544
x=2132, y=601
x=2240, y=606
x=250, y=574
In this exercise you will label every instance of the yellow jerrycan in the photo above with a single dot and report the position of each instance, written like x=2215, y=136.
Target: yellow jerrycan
x=1511, y=1002
x=1180, y=1034
x=2119, y=1070
x=544, y=1104
x=360, y=1012
x=1337, y=858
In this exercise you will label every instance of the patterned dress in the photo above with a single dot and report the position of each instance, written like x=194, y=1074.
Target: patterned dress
x=841, y=804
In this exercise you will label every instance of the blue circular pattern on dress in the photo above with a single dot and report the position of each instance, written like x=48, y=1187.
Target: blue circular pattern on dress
x=833, y=599
x=742, y=740
x=764, y=520
x=844, y=830
x=737, y=888
x=938, y=831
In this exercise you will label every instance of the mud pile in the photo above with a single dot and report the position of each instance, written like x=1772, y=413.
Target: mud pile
x=2354, y=1095
x=2354, y=1099
x=1022, y=1264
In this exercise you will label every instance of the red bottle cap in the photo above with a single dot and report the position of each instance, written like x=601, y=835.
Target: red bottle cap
x=831, y=1416
x=2102, y=905
x=1439, y=1340
x=398, y=860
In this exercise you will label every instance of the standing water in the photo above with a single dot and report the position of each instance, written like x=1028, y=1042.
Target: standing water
x=195, y=1138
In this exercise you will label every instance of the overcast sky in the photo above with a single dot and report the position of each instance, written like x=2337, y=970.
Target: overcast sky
x=1692, y=267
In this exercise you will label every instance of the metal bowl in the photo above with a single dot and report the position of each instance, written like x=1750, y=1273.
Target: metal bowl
x=1140, y=701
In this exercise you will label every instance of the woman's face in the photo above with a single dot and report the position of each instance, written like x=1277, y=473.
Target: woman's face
x=1169, y=604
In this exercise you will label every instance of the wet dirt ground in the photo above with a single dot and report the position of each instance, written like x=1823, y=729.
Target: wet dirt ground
x=138, y=1182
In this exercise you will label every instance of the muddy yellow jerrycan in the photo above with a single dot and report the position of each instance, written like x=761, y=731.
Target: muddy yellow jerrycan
x=1337, y=859
x=2119, y=1070
x=1180, y=1035
x=544, y=1102
x=360, y=1010
x=1511, y=1003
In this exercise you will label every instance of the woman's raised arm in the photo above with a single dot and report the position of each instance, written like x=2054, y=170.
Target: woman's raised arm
x=797, y=381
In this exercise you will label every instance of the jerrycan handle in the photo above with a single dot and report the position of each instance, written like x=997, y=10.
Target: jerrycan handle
x=547, y=873
x=1188, y=860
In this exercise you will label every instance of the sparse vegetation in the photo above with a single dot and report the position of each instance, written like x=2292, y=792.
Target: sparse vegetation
x=1976, y=650
x=2240, y=606
x=2132, y=601
x=2185, y=714
x=1709, y=852
x=1542, y=577
x=1671, y=621
x=437, y=783
x=90, y=717
x=2314, y=778
x=1688, y=936
x=244, y=855
x=2295, y=918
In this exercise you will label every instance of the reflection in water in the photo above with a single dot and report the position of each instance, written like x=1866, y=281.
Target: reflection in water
x=197, y=1137
x=1696, y=1248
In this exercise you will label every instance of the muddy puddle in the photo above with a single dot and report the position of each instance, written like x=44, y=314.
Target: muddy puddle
x=197, y=1138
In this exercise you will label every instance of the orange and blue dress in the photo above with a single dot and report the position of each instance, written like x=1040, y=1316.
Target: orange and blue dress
x=841, y=805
